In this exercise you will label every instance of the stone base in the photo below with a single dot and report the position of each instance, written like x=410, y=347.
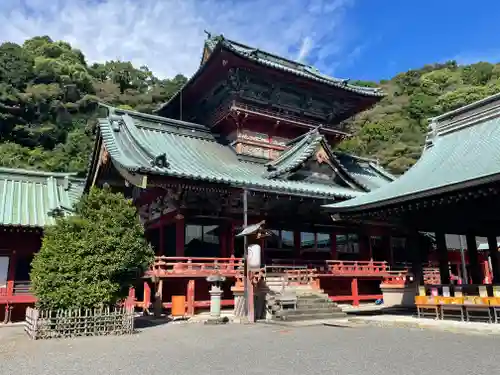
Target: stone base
x=399, y=295
x=217, y=321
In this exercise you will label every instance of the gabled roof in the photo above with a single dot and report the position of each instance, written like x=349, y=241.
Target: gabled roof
x=461, y=151
x=284, y=64
x=29, y=198
x=356, y=172
x=148, y=144
x=276, y=62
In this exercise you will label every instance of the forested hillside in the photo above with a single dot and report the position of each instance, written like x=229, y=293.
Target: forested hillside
x=48, y=96
x=394, y=130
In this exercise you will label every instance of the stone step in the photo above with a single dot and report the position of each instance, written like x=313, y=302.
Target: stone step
x=311, y=316
x=318, y=305
x=319, y=310
x=308, y=301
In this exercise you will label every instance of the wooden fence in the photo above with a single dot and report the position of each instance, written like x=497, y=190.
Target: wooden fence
x=47, y=324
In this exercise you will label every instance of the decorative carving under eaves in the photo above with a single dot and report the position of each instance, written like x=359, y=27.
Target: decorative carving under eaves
x=249, y=135
x=256, y=151
x=233, y=79
x=161, y=205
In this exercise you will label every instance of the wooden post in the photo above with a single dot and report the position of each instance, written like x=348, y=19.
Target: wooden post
x=223, y=241
x=147, y=298
x=495, y=266
x=354, y=292
x=333, y=245
x=296, y=244
x=11, y=273
x=179, y=236
x=251, y=305
x=475, y=269
x=161, y=246
x=442, y=250
x=413, y=247
x=130, y=301
x=388, y=243
x=190, y=297
x=158, y=306
x=231, y=239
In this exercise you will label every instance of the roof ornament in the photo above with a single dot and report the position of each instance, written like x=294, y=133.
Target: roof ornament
x=254, y=53
x=345, y=82
x=116, y=121
x=160, y=161
x=431, y=134
x=209, y=35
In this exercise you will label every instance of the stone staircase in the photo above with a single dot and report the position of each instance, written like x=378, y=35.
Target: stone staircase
x=298, y=303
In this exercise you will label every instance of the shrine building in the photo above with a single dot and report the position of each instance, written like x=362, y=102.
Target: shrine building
x=452, y=189
x=251, y=136
x=28, y=202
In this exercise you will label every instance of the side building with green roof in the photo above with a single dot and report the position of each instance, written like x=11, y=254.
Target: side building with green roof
x=452, y=189
x=251, y=136
x=29, y=200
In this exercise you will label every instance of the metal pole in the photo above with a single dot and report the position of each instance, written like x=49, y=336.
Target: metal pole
x=465, y=277
x=245, y=252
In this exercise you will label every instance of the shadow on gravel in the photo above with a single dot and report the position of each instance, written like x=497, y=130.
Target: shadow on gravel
x=143, y=322
x=401, y=311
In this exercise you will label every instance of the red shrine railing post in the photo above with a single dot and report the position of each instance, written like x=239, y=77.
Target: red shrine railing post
x=354, y=292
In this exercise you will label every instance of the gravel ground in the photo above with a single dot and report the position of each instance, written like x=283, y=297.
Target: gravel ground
x=178, y=349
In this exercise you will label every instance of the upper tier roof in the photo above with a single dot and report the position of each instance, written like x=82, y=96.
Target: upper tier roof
x=148, y=144
x=279, y=63
x=461, y=151
x=29, y=198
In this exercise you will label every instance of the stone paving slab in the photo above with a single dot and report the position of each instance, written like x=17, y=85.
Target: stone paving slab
x=423, y=323
x=187, y=349
x=344, y=323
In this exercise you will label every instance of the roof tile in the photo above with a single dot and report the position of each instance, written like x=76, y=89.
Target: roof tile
x=28, y=197
x=194, y=155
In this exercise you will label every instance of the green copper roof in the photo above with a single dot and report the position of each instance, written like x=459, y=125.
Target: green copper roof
x=27, y=198
x=157, y=145
x=356, y=172
x=300, y=150
x=281, y=63
x=461, y=150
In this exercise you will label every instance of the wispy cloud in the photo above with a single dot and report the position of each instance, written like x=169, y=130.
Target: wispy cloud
x=167, y=35
x=305, y=48
x=466, y=58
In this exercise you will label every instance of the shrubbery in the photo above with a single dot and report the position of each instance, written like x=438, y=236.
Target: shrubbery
x=91, y=258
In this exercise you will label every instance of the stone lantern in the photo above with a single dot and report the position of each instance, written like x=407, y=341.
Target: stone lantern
x=216, y=281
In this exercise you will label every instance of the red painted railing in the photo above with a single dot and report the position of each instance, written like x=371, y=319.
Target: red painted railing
x=396, y=278
x=17, y=292
x=202, y=267
x=195, y=266
x=357, y=268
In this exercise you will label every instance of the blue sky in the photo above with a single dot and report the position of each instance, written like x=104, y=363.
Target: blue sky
x=357, y=39
x=401, y=35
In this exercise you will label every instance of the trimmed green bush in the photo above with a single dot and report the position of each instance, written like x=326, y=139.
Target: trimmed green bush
x=91, y=258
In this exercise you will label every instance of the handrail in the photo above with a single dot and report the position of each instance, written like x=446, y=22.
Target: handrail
x=163, y=265
x=22, y=287
x=339, y=267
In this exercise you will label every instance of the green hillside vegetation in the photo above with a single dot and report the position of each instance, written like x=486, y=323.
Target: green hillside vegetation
x=394, y=131
x=49, y=95
x=48, y=102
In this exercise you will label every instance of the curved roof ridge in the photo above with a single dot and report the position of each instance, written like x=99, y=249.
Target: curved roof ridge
x=156, y=118
x=302, y=150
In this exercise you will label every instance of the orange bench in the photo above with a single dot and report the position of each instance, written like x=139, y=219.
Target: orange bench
x=427, y=306
x=452, y=307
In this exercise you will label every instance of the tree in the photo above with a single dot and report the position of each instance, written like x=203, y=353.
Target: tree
x=16, y=65
x=91, y=258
